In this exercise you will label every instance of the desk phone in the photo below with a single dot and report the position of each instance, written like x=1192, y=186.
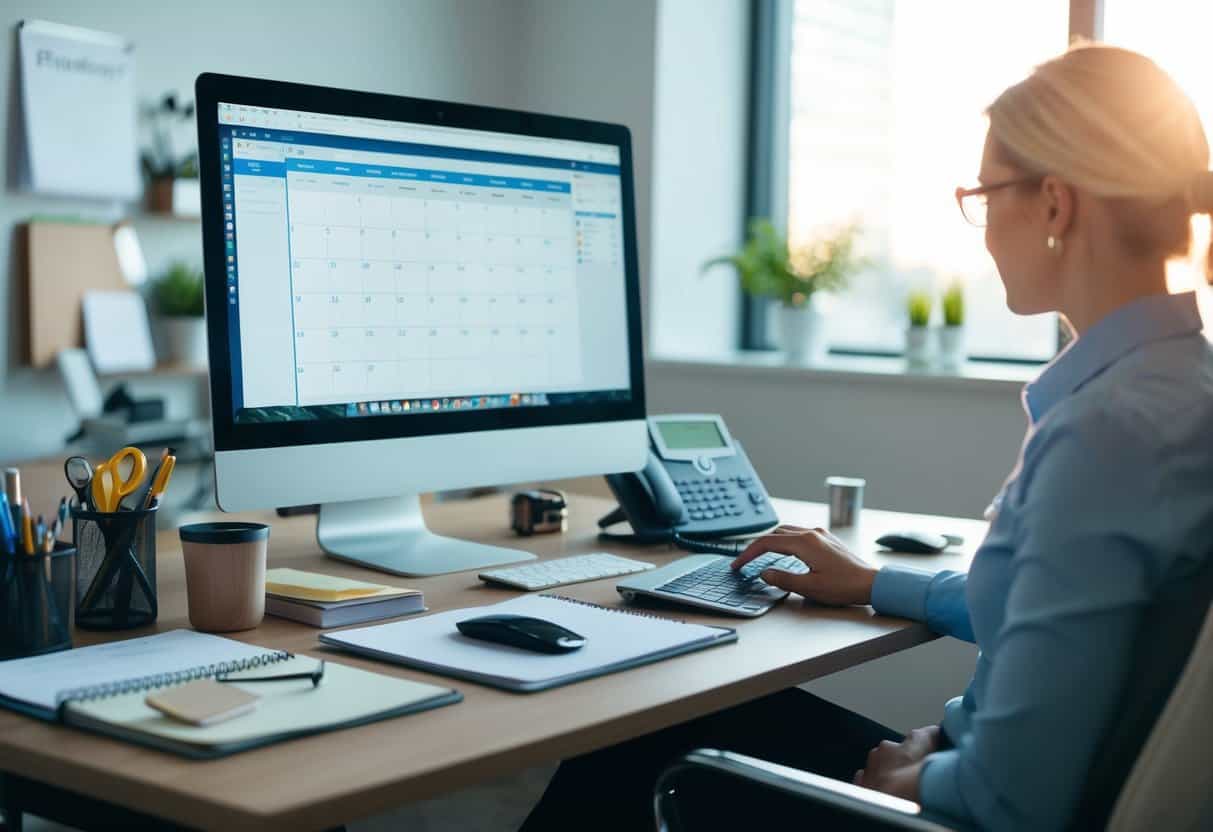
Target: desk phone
x=698, y=483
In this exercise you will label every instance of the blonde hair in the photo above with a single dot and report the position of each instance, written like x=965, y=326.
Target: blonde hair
x=1113, y=123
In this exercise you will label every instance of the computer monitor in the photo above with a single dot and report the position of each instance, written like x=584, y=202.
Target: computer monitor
x=405, y=296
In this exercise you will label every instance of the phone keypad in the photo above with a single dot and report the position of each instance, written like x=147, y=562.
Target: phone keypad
x=710, y=498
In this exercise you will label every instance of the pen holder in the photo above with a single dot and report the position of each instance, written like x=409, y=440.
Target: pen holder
x=116, y=569
x=36, y=602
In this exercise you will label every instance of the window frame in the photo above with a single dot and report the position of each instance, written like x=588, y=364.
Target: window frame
x=767, y=149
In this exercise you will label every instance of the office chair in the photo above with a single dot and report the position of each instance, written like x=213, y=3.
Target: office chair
x=1153, y=769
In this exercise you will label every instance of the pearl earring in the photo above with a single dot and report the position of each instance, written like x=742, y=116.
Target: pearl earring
x=1054, y=244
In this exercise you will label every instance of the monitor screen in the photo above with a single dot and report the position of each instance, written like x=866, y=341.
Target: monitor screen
x=379, y=269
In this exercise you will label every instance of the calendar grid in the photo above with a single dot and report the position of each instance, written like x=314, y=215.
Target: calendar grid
x=408, y=290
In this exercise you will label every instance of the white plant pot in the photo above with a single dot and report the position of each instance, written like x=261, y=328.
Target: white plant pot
x=952, y=352
x=919, y=346
x=802, y=333
x=183, y=341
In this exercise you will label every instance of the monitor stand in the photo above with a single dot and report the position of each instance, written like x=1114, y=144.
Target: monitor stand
x=390, y=535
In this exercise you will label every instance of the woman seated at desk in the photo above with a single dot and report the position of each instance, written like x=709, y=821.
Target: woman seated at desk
x=1092, y=169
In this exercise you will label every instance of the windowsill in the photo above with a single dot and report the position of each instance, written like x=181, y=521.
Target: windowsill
x=972, y=375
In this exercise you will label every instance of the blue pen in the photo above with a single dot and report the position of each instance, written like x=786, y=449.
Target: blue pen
x=6, y=525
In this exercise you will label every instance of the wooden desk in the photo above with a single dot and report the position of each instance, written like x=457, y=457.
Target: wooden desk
x=326, y=780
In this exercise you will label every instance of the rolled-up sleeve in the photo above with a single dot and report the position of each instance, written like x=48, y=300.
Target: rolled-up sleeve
x=1077, y=585
x=935, y=598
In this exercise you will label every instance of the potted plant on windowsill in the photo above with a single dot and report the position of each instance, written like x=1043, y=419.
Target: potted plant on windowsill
x=172, y=177
x=952, y=335
x=179, y=304
x=769, y=268
x=918, y=333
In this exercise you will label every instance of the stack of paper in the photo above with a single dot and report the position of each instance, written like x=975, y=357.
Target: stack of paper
x=328, y=601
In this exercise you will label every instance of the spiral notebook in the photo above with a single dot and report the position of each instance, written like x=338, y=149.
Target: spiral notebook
x=616, y=639
x=102, y=688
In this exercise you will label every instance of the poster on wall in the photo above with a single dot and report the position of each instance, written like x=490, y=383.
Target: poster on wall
x=78, y=113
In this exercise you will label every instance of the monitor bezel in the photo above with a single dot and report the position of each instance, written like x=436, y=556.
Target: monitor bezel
x=230, y=435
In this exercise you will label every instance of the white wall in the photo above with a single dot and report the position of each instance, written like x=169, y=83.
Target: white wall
x=699, y=148
x=466, y=50
x=594, y=60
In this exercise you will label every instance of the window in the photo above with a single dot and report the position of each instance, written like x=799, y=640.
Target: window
x=1175, y=34
x=886, y=118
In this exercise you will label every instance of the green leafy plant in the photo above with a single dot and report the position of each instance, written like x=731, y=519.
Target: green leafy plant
x=954, y=305
x=179, y=291
x=767, y=266
x=918, y=304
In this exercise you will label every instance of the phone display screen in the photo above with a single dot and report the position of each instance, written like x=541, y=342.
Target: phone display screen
x=686, y=436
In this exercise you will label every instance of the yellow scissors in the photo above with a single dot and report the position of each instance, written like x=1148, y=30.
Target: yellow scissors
x=109, y=483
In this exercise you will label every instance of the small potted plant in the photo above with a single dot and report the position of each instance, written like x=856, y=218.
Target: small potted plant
x=952, y=335
x=769, y=268
x=172, y=177
x=178, y=302
x=918, y=333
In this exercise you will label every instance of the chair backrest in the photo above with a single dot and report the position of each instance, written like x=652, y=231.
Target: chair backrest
x=1171, y=785
x=1166, y=644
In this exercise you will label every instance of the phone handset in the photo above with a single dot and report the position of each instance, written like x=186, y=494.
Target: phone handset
x=697, y=484
x=648, y=501
x=667, y=504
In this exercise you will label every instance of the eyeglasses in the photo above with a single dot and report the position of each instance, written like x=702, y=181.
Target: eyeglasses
x=974, y=202
x=315, y=675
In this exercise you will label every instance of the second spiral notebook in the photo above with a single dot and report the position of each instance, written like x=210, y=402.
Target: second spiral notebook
x=616, y=639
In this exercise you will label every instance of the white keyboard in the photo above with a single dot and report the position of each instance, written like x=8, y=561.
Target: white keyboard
x=572, y=570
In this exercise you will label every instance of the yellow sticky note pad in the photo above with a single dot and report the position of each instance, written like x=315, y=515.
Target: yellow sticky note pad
x=312, y=586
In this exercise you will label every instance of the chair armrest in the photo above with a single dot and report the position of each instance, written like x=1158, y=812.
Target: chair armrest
x=868, y=804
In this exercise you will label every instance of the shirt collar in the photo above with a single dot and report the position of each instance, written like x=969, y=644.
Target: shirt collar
x=1147, y=319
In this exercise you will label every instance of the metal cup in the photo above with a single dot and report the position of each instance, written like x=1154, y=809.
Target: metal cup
x=846, y=500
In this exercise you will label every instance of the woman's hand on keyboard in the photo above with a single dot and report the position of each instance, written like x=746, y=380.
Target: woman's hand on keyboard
x=836, y=576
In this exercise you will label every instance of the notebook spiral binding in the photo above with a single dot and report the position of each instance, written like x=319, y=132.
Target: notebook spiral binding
x=620, y=610
x=160, y=680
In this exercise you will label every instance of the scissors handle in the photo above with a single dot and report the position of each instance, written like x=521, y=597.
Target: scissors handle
x=124, y=485
x=79, y=475
x=105, y=495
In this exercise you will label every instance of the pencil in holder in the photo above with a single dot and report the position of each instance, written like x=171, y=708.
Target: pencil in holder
x=37, y=601
x=116, y=570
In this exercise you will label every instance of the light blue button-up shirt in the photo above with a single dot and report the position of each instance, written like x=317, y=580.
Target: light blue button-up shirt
x=1113, y=490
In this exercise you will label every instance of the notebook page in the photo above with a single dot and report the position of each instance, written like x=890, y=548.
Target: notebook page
x=611, y=636
x=39, y=680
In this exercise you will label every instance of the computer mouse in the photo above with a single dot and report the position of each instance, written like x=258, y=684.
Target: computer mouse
x=918, y=543
x=522, y=631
